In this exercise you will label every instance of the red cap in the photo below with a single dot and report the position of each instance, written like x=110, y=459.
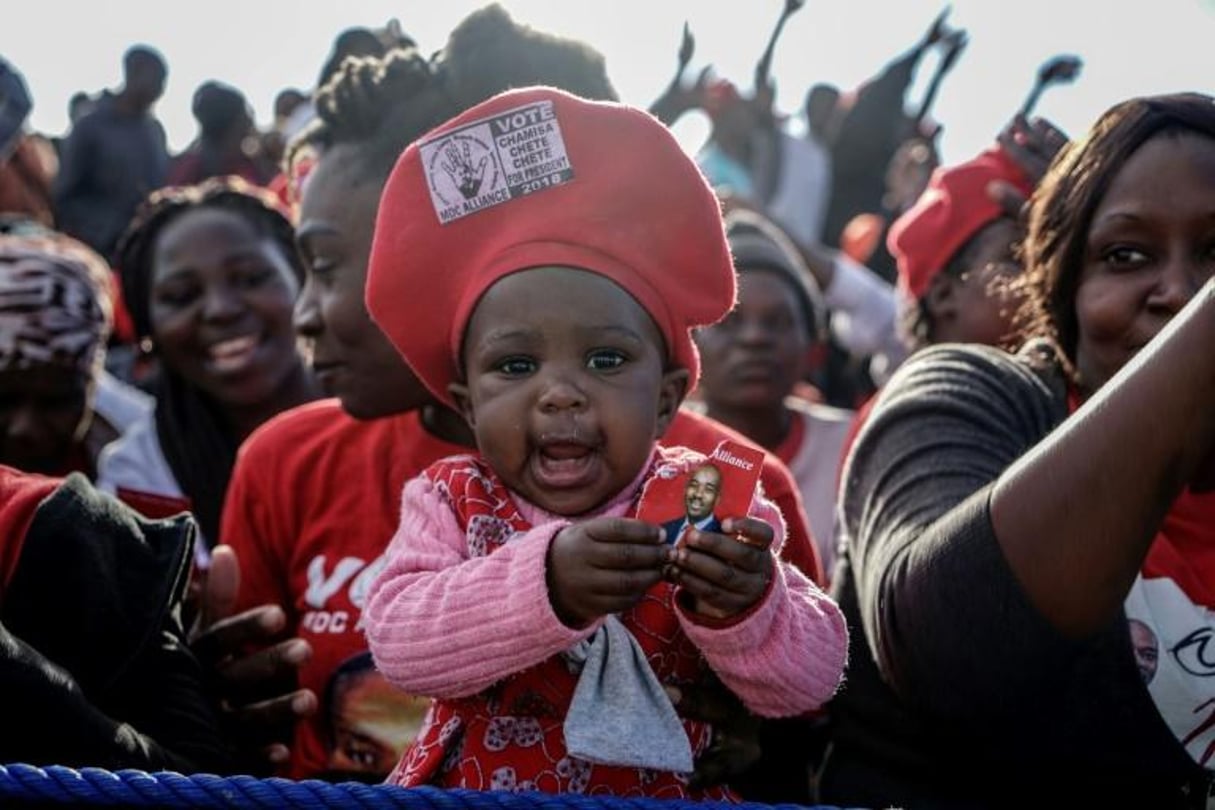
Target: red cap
x=539, y=177
x=953, y=208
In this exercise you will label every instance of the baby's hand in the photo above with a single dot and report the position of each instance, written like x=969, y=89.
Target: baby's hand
x=725, y=575
x=603, y=565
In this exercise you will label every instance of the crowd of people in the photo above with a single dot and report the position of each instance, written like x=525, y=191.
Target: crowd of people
x=330, y=451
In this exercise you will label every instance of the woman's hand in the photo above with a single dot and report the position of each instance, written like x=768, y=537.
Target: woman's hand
x=603, y=565
x=725, y=573
x=1032, y=145
x=256, y=690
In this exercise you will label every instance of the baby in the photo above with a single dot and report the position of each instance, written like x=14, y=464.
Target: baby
x=540, y=262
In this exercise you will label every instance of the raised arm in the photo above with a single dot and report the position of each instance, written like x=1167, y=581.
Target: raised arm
x=955, y=43
x=677, y=99
x=763, y=68
x=960, y=500
x=1092, y=497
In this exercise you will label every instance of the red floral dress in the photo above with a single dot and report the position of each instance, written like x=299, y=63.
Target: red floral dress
x=511, y=737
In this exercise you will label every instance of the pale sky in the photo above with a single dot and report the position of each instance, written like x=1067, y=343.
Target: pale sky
x=262, y=46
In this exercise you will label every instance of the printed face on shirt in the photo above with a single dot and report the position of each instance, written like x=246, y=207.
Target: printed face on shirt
x=757, y=353
x=701, y=493
x=1147, y=649
x=43, y=414
x=371, y=722
x=220, y=307
x=1149, y=249
x=352, y=358
x=565, y=389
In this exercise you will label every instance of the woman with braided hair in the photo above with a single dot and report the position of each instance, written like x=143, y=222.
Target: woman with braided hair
x=210, y=275
x=307, y=546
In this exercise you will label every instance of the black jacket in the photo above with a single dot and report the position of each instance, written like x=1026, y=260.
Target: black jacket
x=94, y=669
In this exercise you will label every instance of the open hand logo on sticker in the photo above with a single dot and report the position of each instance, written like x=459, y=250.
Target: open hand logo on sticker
x=495, y=160
x=462, y=169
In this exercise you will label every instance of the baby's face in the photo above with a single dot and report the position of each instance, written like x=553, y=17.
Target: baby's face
x=565, y=388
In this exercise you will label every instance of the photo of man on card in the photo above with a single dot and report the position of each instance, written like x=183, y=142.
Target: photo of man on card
x=700, y=496
x=699, y=492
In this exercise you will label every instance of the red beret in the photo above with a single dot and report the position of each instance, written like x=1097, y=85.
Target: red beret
x=953, y=208
x=539, y=177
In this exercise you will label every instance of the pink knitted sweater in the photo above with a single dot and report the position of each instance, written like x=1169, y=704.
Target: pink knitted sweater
x=445, y=624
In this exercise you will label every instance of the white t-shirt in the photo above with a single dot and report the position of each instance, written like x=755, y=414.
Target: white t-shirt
x=863, y=319
x=119, y=404
x=136, y=462
x=803, y=189
x=815, y=467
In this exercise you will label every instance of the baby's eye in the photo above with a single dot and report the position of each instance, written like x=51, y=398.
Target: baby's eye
x=605, y=360
x=516, y=366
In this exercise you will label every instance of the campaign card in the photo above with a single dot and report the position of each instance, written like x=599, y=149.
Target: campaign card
x=719, y=487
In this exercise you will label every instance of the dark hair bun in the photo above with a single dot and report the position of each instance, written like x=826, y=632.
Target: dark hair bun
x=488, y=53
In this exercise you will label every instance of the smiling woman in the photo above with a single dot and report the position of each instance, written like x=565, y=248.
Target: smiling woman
x=211, y=276
x=1028, y=540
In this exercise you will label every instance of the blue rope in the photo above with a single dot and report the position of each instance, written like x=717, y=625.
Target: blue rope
x=56, y=784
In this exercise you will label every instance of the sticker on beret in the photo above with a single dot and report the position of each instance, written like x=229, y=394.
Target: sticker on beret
x=495, y=160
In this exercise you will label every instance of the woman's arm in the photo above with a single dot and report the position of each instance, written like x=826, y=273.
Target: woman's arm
x=1091, y=498
x=955, y=545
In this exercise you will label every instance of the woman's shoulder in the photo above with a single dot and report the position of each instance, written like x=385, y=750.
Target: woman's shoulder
x=320, y=436
x=969, y=371
x=946, y=392
x=315, y=423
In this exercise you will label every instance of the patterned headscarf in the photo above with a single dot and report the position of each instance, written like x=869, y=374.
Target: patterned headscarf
x=55, y=303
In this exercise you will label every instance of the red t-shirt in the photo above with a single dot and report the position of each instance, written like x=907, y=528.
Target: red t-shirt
x=698, y=432
x=314, y=499
x=20, y=495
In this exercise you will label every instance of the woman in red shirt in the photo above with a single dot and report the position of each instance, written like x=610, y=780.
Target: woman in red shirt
x=305, y=543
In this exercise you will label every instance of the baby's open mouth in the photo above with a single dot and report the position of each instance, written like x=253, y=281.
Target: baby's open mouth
x=565, y=464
